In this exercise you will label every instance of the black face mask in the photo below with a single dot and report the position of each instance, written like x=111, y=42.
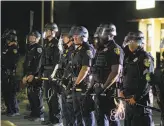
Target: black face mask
x=65, y=46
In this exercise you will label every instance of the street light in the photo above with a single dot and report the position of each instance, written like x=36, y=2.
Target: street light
x=42, y=22
x=52, y=11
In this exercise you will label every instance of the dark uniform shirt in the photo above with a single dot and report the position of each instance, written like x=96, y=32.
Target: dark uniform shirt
x=32, y=63
x=51, y=54
x=10, y=57
x=110, y=55
x=138, y=70
x=82, y=56
x=64, y=62
x=66, y=56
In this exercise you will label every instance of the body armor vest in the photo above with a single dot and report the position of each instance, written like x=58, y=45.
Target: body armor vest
x=49, y=53
x=132, y=77
x=101, y=69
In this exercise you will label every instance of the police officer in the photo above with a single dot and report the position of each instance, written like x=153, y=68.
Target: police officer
x=106, y=68
x=159, y=81
x=137, y=77
x=63, y=71
x=67, y=103
x=81, y=63
x=32, y=67
x=9, y=86
x=50, y=62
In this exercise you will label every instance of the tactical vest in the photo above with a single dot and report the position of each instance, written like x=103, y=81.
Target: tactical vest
x=133, y=73
x=132, y=76
x=49, y=53
x=101, y=68
x=75, y=58
x=29, y=58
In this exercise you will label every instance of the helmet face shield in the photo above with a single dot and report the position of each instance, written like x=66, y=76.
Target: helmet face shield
x=33, y=37
x=78, y=32
x=102, y=32
x=71, y=32
x=47, y=33
x=51, y=26
x=132, y=38
x=11, y=38
x=81, y=32
x=105, y=30
x=133, y=45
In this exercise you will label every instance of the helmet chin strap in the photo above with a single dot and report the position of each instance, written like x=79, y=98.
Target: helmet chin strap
x=110, y=37
x=31, y=43
x=77, y=46
x=66, y=44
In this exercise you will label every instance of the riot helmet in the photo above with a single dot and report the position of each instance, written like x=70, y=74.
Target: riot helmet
x=51, y=26
x=105, y=30
x=12, y=31
x=11, y=38
x=50, y=30
x=71, y=32
x=80, y=32
x=134, y=40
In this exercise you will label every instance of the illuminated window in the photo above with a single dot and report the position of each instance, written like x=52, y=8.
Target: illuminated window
x=145, y=4
x=162, y=31
x=149, y=37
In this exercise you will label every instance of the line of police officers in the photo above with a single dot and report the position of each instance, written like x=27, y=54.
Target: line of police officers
x=83, y=69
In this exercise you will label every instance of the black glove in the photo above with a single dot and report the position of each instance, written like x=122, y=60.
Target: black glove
x=99, y=90
x=64, y=81
x=67, y=92
x=89, y=91
x=74, y=87
x=50, y=79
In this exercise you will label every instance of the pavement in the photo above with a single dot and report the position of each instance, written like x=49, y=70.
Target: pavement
x=20, y=121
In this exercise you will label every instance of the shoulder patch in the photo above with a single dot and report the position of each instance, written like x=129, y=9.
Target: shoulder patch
x=148, y=77
x=39, y=50
x=147, y=62
x=15, y=51
x=64, y=55
x=117, y=51
x=66, y=51
x=89, y=53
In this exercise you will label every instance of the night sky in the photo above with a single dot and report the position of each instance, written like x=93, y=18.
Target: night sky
x=15, y=14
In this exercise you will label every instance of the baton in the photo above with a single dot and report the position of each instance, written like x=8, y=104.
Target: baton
x=93, y=94
x=149, y=107
x=46, y=78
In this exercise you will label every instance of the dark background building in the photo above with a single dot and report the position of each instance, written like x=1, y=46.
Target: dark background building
x=16, y=14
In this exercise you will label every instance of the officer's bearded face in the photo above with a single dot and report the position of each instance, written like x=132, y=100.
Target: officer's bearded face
x=49, y=33
x=77, y=39
x=133, y=46
x=32, y=39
